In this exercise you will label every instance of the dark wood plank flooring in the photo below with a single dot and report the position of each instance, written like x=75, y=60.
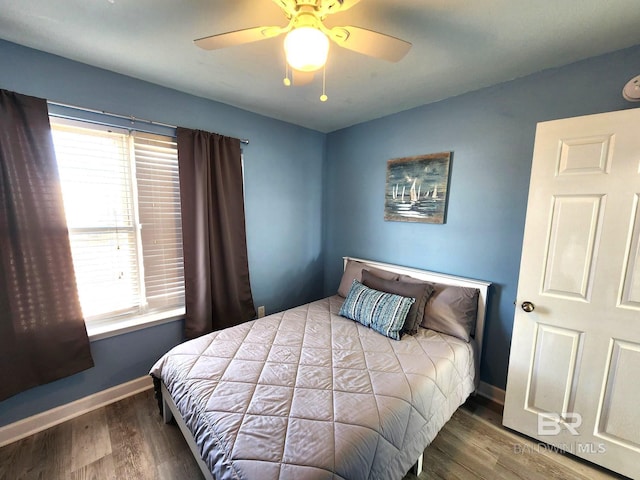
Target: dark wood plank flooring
x=128, y=440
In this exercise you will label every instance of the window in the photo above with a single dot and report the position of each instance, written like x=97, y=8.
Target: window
x=122, y=202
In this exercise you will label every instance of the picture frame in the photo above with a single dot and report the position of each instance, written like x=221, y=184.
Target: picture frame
x=417, y=188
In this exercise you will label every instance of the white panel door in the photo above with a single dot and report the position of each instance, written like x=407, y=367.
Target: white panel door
x=574, y=368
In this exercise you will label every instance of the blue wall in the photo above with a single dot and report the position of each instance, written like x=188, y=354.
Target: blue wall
x=283, y=192
x=491, y=134
x=313, y=198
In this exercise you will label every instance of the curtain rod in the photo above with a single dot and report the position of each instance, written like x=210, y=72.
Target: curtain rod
x=244, y=141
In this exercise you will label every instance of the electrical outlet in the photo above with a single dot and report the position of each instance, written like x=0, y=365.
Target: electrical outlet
x=261, y=311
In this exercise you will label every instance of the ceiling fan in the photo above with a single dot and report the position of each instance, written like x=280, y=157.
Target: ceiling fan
x=307, y=41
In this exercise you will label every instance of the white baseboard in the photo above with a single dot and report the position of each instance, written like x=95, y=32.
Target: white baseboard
x=491, y=392
x=37, y=423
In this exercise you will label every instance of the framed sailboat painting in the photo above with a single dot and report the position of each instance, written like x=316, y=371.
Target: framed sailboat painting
x=417, y=188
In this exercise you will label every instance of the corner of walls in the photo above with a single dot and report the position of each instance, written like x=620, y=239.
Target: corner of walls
x=325, y=220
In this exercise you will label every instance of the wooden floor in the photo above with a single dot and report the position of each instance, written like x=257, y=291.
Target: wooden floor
x=128, y=440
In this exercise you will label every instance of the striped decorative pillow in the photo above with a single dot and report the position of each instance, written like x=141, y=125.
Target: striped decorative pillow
x=384, y=312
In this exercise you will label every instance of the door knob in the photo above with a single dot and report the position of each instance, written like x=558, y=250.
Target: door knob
x=528, y=307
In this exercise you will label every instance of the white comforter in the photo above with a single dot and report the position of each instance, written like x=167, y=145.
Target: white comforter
x=307, y=394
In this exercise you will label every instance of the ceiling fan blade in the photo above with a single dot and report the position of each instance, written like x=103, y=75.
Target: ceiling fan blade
x=239, y=37
x=301, y=78
x=368, y=42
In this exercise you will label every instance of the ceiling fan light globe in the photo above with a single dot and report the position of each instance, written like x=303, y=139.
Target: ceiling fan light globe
x=306, y=49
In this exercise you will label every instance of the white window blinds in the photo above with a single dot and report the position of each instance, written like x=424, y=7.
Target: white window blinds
x=122, y=202
x=159, y=212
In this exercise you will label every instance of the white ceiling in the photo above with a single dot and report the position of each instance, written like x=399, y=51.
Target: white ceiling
x=458, y=46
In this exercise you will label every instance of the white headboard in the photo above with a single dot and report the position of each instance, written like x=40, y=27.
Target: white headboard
x=426, y=275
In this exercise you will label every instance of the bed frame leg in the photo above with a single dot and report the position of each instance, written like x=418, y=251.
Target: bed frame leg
x=417, y=468
x=167, y=416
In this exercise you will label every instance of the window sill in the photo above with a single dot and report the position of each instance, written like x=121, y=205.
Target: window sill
x=119, y=327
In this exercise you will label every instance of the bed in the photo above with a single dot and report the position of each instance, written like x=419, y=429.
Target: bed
x=307, y=393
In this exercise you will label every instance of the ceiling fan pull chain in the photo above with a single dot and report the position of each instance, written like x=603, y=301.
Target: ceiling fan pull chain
x=287, y=80
x=323, y=97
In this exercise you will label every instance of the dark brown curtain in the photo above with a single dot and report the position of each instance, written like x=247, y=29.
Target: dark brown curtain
x=42, y=333
x=216, y=268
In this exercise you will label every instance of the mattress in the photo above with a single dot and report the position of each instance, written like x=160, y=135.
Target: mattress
x=308, y=394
